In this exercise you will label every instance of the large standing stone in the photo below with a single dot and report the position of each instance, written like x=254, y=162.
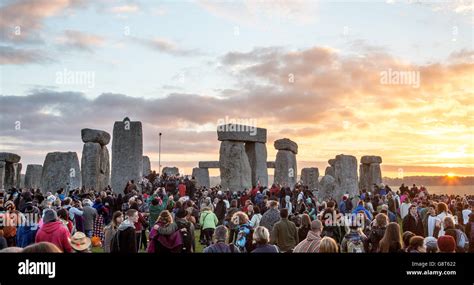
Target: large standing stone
x=327, y=187
x=170, y=171
x=3, y=166
x=12, y=171
x=60, y=170
x=234, y=166
x=95, y=136
x=127, y=153
x=9, y=157
x=104, y=173
x=33, y=176
x=202, y=177
x=146, y=166
x=310, y=176
x=345, y=171
x=285, y=168
x=257, y=154
x=370, y=172
x=241, y=133
x=286, y=144
x=90, y=165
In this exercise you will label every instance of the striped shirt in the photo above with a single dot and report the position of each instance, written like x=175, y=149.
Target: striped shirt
x=309, y=244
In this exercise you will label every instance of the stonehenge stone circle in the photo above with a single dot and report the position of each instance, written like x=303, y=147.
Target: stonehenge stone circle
x=241, y=133
x=170, y=171
x=285, y=162
x=234, y=166
x=310, y=176
x=345, y=171
x=257, y=155
x=127, y=153
x=202, y=177
x=33, y=176
x=370, y=172
x=329, y=171
x=95, y=136
x=60, y=170
x=146, y=166
x=9, y=157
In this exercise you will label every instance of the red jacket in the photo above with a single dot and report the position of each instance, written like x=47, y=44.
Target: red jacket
x=182, y=190
x=57, y=233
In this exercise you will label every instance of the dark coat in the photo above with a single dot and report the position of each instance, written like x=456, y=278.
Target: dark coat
x=413, y=225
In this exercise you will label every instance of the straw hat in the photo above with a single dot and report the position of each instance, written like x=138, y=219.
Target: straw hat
x=80, y=242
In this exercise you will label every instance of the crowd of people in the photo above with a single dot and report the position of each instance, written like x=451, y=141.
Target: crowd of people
x=171, y=214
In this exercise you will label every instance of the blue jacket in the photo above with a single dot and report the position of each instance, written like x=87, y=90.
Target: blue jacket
x=25, y=235
x=361, y=208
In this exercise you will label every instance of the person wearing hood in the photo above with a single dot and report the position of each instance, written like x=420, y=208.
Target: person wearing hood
x=165, y=236
x=90, y=214
x=124, y=240
x=27, y=228
x=53, y=231
x=361, y=207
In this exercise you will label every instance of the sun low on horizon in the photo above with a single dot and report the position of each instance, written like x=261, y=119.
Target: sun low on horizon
x=312, y=71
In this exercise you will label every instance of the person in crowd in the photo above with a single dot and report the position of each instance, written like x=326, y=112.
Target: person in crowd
x=261, y=237
x=416, y=245
x=208, y=221
x=304, y=228
x=42, y=247
x=284, y=233
x=219, y=245
x=80, y=243
x=392, y=240
x=312, y=242
x=377, y=232
x=412, y=222
x=256, y=217
x=53, y=231
x=430, y=244
x=111, y=229
x=271, y=216
x=442, y=212
x=244, y=232
x=406, y=236
x=328, y=245
x=165, y=236
x=186, y=229
x=446, y=244
x=124, y=240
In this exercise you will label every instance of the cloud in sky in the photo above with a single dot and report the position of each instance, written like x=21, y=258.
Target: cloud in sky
x=166, y=46
x=336, y=103
x=15, y=56
x=80, y=41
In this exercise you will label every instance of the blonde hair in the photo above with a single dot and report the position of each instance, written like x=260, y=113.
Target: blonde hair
x=261, y=235
x=328, y=245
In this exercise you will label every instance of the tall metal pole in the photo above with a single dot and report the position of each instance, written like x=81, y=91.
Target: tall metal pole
x=159, y=157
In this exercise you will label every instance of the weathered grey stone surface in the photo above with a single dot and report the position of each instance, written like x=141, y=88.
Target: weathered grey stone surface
x=234, y=166
x=327, y=187
x=286, y=144
x=329, y=171
x=331, y=162
x=95, y=136
x=368, y=159
x=285, y=168
x=11, y=175
x=345, y=171
x=59, y=169
x=170, y=171
x=202, y=177
x=208, y=164
x=270, y=164
x=18, y=175
x=95, y=166
x=9, y=157
x=3, y=166
x=241, y=133
x=310, y=177
x=127, y=153
x=257, y=154
x=370, y=174
x=33, y=175
x=146, y=165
